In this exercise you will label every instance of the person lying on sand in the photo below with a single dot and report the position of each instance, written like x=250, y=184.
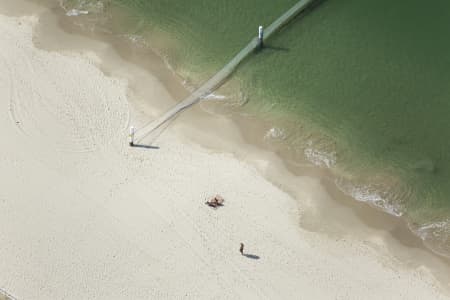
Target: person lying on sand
x=215, y=201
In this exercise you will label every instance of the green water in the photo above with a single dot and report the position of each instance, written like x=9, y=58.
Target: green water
x=207, y=33
x=374, y=75
x=363, y=82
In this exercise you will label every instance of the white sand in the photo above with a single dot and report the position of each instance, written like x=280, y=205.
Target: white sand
x=84, y=216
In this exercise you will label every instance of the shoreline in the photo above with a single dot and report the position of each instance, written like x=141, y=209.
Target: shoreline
x=267, y=163
x=350, y=188
x=244, y=133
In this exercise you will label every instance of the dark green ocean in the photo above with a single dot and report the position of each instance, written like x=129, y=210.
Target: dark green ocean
x=359, y=87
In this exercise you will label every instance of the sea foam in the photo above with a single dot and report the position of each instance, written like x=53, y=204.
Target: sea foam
x=275, y=133
x=76, y=12
x=371, y=195
x=436, y=235
x=320, y=158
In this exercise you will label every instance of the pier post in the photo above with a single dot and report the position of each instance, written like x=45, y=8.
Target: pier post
x=260, y=37
x=132, y=136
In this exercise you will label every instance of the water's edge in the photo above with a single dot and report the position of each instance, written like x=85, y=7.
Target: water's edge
x=397, y=227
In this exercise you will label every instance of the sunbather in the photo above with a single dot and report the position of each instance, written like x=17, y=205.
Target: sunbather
x=215, y=201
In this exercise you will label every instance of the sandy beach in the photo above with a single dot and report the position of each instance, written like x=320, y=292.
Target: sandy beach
x=85, y=216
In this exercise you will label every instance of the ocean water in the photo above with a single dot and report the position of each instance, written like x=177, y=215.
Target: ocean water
x=359, y=87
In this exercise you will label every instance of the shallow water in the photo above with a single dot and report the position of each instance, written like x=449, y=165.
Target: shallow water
x=360, y=87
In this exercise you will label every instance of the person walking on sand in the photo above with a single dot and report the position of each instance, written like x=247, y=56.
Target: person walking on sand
x=241, y=249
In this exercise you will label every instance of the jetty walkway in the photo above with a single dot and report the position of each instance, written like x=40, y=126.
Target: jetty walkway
x=214, y=82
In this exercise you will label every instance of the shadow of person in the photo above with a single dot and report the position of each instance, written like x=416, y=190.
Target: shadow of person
x=252, y=256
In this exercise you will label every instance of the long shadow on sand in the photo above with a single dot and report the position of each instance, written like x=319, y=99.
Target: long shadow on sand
x=251, y=256
x=145, y=146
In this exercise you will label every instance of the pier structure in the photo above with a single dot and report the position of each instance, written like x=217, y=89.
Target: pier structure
x=132, y=132
x=260, y=37
x=214, y=82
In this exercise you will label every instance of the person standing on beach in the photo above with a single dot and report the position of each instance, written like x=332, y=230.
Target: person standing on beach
x=241, y=249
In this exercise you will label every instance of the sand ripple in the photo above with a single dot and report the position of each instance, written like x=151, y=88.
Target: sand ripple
x=36, y=96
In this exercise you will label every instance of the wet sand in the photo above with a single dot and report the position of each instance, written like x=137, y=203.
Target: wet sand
x=84, y=215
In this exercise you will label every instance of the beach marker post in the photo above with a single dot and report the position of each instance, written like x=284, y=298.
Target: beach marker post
x=260, y=37
x=132, y=136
